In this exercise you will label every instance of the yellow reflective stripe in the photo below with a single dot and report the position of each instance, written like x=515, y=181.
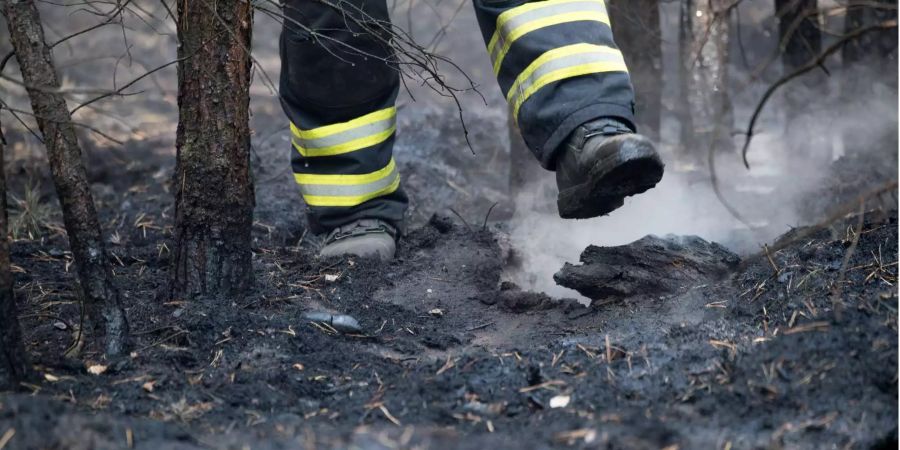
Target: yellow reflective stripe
x=335, y=139
x=345, y=180
x=328, y=130
x=505, y=38
x=523, y=88
x=538, y=24
x=345, y=147
x=512, y=13
x=566, y=73
x=348, y=190
x=323, y=200
x=555, y=55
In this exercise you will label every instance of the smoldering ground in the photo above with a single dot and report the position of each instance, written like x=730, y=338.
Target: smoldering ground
x=791, y=180
x=450, y=357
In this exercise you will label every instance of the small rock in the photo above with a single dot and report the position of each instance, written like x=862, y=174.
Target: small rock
x=96, y=369
x=345, y=324
x=60, y=325
x=560, y=401
x=340, y=322
x=436, y=312
x=783, y=277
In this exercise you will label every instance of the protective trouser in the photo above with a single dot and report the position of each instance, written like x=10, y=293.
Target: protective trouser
x=555, y=61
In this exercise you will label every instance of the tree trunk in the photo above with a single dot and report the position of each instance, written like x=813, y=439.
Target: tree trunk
x=100, y=297
x=798, y=31
x=868, y=72
x=704, y=77
x=213, y=186
x=637, y=32
x=875, y=47
x=13, y=359
x=801, y=41
x=524, y=170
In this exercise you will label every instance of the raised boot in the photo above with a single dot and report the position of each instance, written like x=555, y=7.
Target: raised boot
x=600, y=164
x=366, y=238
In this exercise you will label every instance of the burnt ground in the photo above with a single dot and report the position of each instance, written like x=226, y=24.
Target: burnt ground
x=795, y=350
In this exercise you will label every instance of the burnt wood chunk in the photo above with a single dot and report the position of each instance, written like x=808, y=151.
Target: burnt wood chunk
x=649, y=266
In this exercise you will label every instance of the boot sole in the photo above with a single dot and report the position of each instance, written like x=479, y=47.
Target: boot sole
x=639, y=169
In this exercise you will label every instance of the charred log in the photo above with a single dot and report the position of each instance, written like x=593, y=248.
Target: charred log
x=213, y=187
x=650, y=266
x=100, y=296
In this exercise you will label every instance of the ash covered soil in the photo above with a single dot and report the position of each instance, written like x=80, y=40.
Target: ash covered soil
x=700, y=349
x=796, y=350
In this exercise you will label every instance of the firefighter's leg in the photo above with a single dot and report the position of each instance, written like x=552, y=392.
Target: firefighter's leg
x=570, y=93
x=338, y=86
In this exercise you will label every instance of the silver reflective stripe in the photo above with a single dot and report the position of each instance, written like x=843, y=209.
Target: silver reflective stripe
x=510, y=25
x=346, y=136
x=350, y=190
x=561, y=63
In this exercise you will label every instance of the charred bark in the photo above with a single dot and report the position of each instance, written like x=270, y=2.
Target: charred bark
x=637, y=31
x=706, y=107
x=13, y=359
x=213, y=186
x=100, y=296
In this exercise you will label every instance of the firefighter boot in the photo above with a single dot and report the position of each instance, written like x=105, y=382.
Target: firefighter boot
x=600, y=164
x=365, y=238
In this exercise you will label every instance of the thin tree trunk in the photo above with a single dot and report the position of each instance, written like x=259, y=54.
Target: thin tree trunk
x=798, y=32
x=524, y=170
x=871, y=48
x=801, y=42
x=636, y=24
x=213, y=186
x=869, y=63
x=704, y=76
x=100, y=296
x=13, y=359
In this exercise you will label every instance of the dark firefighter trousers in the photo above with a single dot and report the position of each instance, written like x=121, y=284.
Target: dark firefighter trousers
x=555, y=61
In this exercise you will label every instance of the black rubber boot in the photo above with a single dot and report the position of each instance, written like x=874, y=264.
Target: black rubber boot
x=601, y=163
x=365, y=238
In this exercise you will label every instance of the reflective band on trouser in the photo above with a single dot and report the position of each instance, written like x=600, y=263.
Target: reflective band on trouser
x=346, y=137
x=348, y=190
x=561, y=63
x=516, y=22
